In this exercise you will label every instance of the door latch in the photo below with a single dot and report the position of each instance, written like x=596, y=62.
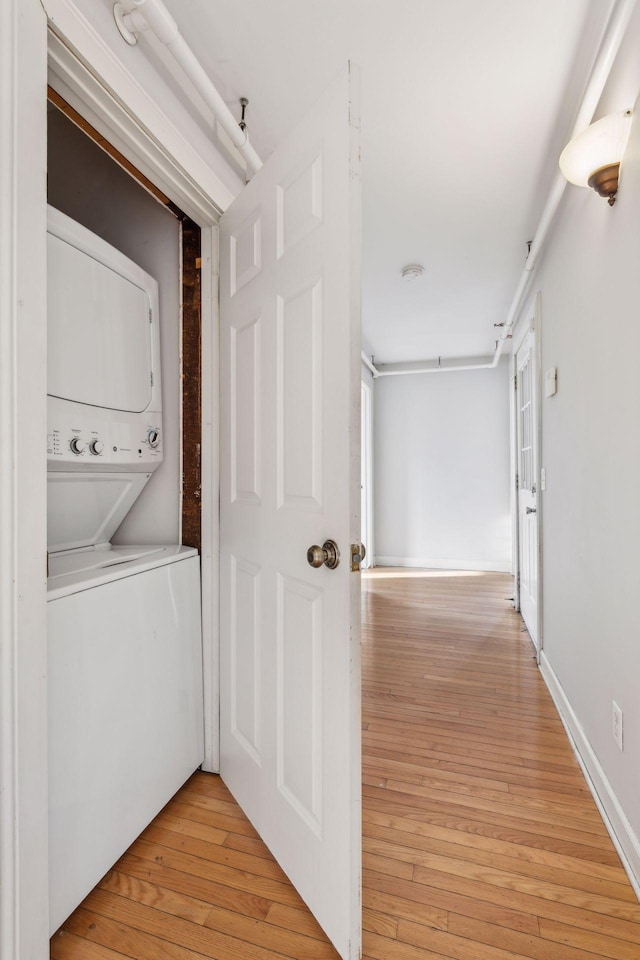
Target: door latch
x=358, y=553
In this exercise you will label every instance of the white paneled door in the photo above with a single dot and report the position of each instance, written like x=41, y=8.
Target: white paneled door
x=526, y=384
x=290, y=478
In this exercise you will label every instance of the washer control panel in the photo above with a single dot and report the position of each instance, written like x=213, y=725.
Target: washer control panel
x=111, y=442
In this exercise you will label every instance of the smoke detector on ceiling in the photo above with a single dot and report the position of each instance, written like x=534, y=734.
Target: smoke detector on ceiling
x=412, y=272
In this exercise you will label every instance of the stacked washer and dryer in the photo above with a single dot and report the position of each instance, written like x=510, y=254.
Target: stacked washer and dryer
x=124, y=622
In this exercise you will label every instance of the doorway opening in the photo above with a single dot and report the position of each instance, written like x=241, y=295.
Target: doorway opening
x=123, y=479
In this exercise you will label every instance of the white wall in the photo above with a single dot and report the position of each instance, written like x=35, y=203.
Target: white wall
x=589, y=281
x=88, y=186
x=442, y=470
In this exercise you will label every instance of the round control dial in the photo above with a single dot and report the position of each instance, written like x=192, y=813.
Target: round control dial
x=153, y=437
x=96, y=447
x=77, y=446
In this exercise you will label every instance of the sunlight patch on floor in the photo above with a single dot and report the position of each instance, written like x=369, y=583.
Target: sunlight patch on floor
x=385, y=573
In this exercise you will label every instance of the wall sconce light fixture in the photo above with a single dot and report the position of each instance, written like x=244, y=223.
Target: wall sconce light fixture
x=592, y=159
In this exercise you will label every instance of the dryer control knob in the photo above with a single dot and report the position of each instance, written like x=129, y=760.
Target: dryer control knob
x=153, y=437
x=77, y=446
x=96, y=447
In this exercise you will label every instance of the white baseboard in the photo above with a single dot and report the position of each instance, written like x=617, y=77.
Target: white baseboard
x=624, y=839
x=497, y=566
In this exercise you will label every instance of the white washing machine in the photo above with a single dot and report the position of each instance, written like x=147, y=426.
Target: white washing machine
x=124, y=629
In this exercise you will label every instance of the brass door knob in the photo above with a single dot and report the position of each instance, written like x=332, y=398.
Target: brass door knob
x=328, y=554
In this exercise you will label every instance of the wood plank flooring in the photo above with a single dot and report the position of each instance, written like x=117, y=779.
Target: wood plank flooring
x=481, y=840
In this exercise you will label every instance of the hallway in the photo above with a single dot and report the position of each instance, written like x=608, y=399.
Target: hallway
x=481, y=839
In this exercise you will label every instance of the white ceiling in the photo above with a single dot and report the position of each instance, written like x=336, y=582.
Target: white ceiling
x=465, y=105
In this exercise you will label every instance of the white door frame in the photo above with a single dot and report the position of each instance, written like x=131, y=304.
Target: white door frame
x=367, y=473
x=24, y=920
x=97, y=83
x=531, y=322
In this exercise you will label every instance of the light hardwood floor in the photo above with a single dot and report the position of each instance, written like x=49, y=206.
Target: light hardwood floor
x=481, y=840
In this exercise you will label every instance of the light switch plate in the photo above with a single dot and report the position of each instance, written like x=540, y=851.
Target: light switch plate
x=551, y=382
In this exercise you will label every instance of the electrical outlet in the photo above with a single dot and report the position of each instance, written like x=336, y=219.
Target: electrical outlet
x=617, y=724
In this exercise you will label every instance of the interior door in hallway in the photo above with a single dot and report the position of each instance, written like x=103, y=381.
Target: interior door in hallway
x=290, y=478
x=527, y=433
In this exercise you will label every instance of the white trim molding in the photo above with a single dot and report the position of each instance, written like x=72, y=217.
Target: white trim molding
x=622, y=834
x=131, y=117
x=495, y=566
x=210, y=517
x=367, y=531
x=24, y=907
